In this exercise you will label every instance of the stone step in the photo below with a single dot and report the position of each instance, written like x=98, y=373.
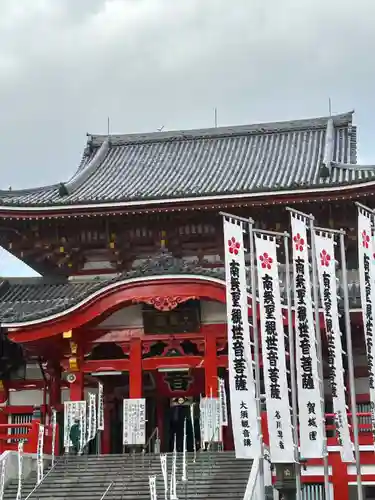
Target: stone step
x=214, y=476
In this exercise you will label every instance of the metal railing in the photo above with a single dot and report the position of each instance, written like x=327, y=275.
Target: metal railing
x=147, y=446
x=57, y=462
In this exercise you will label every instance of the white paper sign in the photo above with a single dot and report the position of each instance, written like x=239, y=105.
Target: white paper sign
x=54, y=426
x=40, y=455
x=326, y=265
x=273, y=351
x=311, y=419
x=91, y=419
x=245, y=423
x=223, y=403
x=134, y=422
x=100, y=407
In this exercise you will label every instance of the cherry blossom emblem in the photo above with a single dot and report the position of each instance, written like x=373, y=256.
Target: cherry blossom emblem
x=365, y=239
x=266, y=261
x=299, y=242
x=325, y=258
x=234, y=246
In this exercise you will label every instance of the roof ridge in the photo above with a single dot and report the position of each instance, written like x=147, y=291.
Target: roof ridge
x=343, y=119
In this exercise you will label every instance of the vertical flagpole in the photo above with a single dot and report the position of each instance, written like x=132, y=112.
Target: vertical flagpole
x=349, y=348
x=320, y=353
x=292, y=353
x=254, y=308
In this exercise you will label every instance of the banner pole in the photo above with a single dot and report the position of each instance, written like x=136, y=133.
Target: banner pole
x=320, y=355
x=349, y=348
x=292, y=353
x=254, y=310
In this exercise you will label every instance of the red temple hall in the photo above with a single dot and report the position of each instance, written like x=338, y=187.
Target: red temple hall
x=132, y=292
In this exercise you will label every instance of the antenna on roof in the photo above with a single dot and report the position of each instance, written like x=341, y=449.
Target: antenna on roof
x=108, y=126
x=329, y=106
x=215, y=117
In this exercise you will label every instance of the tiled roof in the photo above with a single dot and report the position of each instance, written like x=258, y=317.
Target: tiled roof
x=29, y=299
x=198, y=163
x=24, y=300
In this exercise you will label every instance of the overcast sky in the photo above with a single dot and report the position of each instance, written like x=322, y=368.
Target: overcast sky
x=66, y=65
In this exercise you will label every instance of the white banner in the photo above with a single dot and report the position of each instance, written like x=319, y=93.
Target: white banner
x=367, y=280
x=74, y=410
x=40, y=454
x=54, y=426
x=311, y=419
x=100, y=407
x=326, y=265
x=152, y=483
x=134, y=422
x=2, y=476
x=223, y=403
x=273, y=350
x=91, y=419
x=20, y=470
x=163, y=464
x=245, y=423
x=210, y=412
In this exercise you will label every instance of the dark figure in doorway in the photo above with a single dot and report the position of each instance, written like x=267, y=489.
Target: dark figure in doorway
x=75, y=434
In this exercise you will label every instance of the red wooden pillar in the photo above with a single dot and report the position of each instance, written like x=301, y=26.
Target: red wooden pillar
x=339, y=478
x=210, y=366
x=3, y=414
x=135, y=369
x=106, y=434
x=3, y=403
x=77, y=387
x=55, y=388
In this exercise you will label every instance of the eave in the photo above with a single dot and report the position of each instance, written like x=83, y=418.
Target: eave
x=210, y=202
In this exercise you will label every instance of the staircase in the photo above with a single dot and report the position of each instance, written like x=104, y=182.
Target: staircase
x=215, y=475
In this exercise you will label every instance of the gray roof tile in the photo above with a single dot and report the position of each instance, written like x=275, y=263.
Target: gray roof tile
x=25, y=300
x=227, y=160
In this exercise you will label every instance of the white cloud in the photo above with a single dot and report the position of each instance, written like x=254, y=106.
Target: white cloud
x=66, y=65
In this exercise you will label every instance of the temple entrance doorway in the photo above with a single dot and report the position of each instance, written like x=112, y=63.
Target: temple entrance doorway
x=177, y=411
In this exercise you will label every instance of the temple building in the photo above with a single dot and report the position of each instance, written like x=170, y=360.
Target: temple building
x=131, y=254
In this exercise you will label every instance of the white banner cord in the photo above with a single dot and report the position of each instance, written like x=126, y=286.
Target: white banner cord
x=192, y=419
x=164, y=470
x=184, y=451
x=243, y=407
x=311, y=418
x=277, y=389
x=152, y=483
x=173, y=482
x=326, y=265
x=20, y=470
